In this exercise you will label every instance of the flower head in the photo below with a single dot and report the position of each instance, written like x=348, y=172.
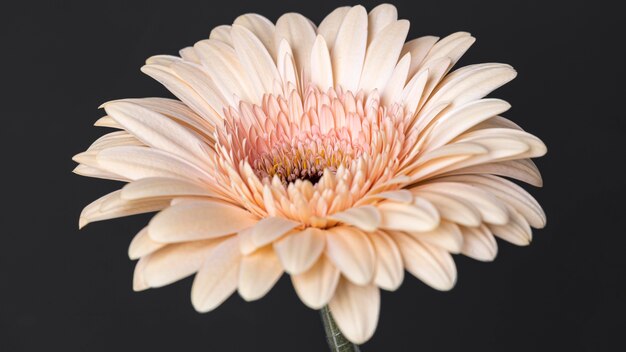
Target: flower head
x=338, y=154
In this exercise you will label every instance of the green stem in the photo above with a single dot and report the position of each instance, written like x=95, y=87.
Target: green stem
x=336, y=341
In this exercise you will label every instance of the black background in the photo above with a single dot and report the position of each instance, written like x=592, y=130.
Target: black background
x=67, y=290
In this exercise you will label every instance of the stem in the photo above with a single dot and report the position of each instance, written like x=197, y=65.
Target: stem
x=336, y=341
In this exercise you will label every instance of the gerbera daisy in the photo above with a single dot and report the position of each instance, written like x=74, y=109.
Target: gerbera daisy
x=338, y=154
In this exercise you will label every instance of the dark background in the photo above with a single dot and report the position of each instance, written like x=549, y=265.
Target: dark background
x=61, y=289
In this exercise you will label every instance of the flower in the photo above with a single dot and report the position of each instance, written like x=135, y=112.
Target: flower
x=338, y=154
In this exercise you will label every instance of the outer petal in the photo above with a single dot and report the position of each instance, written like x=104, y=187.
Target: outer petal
x=355, y=310
x=352, y=252
x=299, y=251
x=316, y=286
x=258, y=273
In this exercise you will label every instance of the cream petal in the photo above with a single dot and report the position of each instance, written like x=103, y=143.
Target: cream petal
x=185, y=93
x=355, y=309
x=316, y=286
x=472, y=82
x=348, y=52
x=517, y=231
x=217, y=278
x=452, y=46
x=524, y=170
x=454, y=209
x=160, y=187
x=255, y=60
x=198, y=219
x=413, y=92
x=389, y=267
x=258, y=272
x=510, y=193
x=299, y=251
x=139, y=283
x=379, y=18
x=189, y=54
x=382, y=56
x=393, y=89
x=329, y=27
x=491, y=209
x=428, y=263
x=175, y=262
x=112, y=206
x=261, y=27
x=479, y=243
x=447, y=236
x=298, y=31
x=418, y=48
x=451, y=124
x=221, y=33
x=158, y=131
x=142, y=245
x=270, y=229
x=352, y=253
x=107, y=121
x=197, y=79
x=406, y=217
x=321, y=68
x=90, y=171
x=141, y=162
x=367, y=218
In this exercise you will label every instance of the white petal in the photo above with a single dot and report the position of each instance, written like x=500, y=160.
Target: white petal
x=380, y=17
x=389, y=266
x=382, y=56
x=159, y=187
x=406, y=217
x=447, y=236
x=393, y=89
x=217, y=278
x=367, y=218
x=142, y=245
x=299, y=251
x=428, y=263
x=517, y=231
x=141, y=162
x=255, y=59
x=348, y=52
x=329, y=27
x=456, y=121
x=261, y=27
x=352, y=253
x=452, y=208
x=269, y=229
x=355, y=309
x=321, y=68
x=479, y=243
x=196, y=219
x=418, y=48
x=258, y=272
x=300, y=34
x=112, y=206
x=176, y=261
x=316, y=286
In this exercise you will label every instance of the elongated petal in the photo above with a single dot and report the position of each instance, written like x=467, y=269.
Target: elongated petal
x=321, y=67
x=479, y=243
x=217, y=278
x=352, y=253
x=316, y=286
x=299, y=251
x=355, y=310
x=175, y=262
x=348, y=52
x=406, y=217
x=258, y=272
x=389, y=266
x=367, y=218
x=142, y=245
x=159, y=187
x=194, y=220
x=430, y=264
x=269, y=229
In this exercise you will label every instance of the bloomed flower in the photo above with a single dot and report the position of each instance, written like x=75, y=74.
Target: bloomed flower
x=338, y=154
